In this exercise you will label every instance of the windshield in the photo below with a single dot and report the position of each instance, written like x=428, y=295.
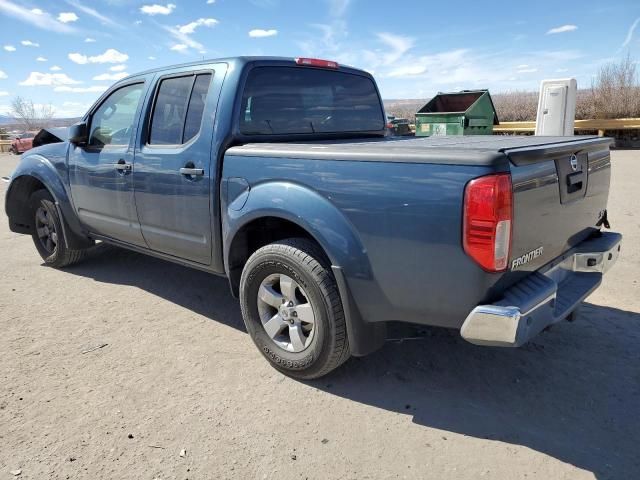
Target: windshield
x=294, y=100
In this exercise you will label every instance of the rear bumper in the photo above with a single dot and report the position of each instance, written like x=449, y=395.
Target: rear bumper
x=544, y=297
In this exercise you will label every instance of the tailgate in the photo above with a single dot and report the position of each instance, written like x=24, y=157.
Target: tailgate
x=560, y=197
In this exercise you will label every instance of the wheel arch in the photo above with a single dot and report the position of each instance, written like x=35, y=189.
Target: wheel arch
x=267, y=217
x=35, y=173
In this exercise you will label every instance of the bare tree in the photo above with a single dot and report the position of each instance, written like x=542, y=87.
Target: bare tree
x=615, y=92
x=30, y=115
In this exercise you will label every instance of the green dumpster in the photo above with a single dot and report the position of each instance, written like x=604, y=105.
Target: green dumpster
x=469, y=112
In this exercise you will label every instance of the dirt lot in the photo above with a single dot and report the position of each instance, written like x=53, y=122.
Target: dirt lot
x=179, y=372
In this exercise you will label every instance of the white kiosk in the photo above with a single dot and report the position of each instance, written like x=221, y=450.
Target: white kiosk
x=557, y=107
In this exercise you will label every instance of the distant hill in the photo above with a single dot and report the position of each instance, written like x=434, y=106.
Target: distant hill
x=10, y=123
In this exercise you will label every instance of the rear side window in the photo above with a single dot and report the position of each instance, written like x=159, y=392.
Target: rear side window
x=295, y=100
x=178, y=109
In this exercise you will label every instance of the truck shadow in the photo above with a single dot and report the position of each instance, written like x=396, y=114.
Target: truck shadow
x=200, y=292
x=573, y=393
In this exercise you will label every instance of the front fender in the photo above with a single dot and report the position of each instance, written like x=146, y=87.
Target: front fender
x=310, y=211
x=50, y=174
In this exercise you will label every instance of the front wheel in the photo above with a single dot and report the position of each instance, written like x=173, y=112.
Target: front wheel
x=292, y=309
x=48, y=234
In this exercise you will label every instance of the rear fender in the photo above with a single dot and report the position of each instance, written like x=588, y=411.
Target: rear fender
x=333, y=232
x=310, y=211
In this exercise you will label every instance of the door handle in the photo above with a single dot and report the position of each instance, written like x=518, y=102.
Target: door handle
x=192, y=171
x=122, y=166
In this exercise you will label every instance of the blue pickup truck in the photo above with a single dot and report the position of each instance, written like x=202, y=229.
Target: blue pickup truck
x=278, y=174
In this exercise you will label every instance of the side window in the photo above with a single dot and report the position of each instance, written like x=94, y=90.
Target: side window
x=196, y=106
x=178, y=109
x=112, y=122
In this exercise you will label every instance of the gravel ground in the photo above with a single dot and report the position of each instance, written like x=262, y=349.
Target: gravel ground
x=179, y=372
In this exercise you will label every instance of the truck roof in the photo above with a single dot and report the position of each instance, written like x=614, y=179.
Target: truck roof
x=241, y=60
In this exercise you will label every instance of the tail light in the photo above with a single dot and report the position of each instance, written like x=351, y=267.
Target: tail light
x=316, y=62
x=488, y=216
x=389, y=125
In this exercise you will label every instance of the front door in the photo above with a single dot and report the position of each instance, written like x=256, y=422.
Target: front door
x=100, y=173
x=173, y=181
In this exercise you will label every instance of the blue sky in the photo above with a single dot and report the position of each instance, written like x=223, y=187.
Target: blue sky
x=66, y=52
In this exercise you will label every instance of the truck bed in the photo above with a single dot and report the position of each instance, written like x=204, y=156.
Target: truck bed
x=406, y=207
x=470, y=150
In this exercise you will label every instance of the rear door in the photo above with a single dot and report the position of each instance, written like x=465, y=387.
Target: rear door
x=173, y=179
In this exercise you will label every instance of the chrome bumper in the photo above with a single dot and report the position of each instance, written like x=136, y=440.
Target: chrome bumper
x=544, y=297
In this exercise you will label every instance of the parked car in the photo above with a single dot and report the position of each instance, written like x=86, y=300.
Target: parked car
x=398, y=126
x=277, y=173
x=21, y=143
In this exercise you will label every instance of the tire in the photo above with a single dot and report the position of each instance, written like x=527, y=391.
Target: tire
x=48, y=234
x=294, y=346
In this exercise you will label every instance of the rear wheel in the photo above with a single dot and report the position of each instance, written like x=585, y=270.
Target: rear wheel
x=292, y=309
x=48, y=235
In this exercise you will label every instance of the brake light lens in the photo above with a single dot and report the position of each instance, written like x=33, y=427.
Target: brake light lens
x=488, y=217
x=316, y=62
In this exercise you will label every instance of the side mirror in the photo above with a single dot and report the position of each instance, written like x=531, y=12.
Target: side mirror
x=78, y=134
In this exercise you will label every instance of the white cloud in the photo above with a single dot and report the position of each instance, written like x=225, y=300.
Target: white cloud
x=527, y=70
x=29, y=43
x=41, y=59
x=151, y=58
x=179, y=47
x=67, y=17
x=407, y=71
x=338, y=7
x=9, y=48
x=2, y=74
x=72, y=109
x=562, y=29
x=183, y=39
x=260, y=33
x=189, y=28
x=37, y=19
x=94, y=88
x=138, y=22
x=398, y=46
x=632, y=29
x=92, y=13
x=109, y=56
x=39, y=78
x=4, y=93
x=110, y=76
x=211, y=2
x=118, y=68
x=55, y=68
x=156, y=9
x=89, y=40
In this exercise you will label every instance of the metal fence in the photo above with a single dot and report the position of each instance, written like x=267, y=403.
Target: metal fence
x=600, y=126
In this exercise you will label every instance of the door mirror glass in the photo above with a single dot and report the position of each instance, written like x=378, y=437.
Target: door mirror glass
x=78, y=133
